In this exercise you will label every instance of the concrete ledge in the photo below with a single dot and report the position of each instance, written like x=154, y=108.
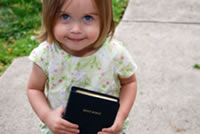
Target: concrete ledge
x=16, y=114
x=164, y=11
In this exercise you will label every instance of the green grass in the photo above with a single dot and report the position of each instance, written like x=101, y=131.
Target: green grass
x=20, y=19
x=119, y=7
x=197, y=66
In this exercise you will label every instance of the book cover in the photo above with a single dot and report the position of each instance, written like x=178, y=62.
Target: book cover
x=91, y=110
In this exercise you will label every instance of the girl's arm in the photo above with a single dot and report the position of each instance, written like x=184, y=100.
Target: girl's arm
x=35, y=92
x=39, y=103
x=127, y=98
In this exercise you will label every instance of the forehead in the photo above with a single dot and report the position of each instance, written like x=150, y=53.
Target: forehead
x=79, y=6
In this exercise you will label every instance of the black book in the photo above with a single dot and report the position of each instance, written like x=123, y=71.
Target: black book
x=91, y=110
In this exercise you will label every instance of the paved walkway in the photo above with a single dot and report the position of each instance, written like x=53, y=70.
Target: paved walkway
x=163, y=37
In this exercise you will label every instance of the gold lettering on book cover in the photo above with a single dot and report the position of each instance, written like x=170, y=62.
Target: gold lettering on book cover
x=91, y=112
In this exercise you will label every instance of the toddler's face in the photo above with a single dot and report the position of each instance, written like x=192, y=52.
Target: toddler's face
x=77, y=25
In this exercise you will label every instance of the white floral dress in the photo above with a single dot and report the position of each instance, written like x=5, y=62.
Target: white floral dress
x=99, y=71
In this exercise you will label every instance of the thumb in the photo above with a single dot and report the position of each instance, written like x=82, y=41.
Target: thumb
x=61, y=110
x=110, y=129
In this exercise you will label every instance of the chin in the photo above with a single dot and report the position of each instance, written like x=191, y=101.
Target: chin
x=76, y=49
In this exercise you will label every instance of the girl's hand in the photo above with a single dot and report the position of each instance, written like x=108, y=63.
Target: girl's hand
x=114, y=129
x=58, y=125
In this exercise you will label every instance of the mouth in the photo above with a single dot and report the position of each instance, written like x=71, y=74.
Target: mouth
x=76, y=39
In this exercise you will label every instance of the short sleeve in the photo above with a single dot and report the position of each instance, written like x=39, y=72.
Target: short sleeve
x=125, y=67
x=39, y=56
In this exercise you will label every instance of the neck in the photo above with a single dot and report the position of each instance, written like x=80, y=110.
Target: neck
x=80, y=53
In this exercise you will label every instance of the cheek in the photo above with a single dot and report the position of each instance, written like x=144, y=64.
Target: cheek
x=94, y=33
x=58, y=31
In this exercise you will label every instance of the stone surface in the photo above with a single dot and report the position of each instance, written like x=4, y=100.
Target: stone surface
x=177, y=11
x=16, y=114
x=168, y=86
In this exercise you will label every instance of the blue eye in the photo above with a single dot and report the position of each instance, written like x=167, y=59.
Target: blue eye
x=65, y=16
x=88, y=18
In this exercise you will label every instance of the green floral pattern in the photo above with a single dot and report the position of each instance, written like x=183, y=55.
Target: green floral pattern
x=99, y=71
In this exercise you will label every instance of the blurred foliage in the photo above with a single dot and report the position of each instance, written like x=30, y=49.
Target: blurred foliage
x=119, y=6
x=18, y=20
x=197, y=66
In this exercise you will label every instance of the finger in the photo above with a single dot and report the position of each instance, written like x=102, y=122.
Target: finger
x=59, y=131
x=67, y=131
x=62, y=132
x=68, y=124
x=70, y=130
x=111, y=129
x=102, y=133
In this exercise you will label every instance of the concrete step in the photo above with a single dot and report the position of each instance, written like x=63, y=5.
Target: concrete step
x=163, y=11
x=16, y=114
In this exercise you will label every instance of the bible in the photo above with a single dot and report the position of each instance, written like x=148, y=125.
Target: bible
x=91, y=110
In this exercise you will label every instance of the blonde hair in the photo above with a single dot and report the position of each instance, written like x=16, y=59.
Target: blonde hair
x=52, y=7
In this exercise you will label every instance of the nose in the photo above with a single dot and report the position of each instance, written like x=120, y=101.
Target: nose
x=75, y=28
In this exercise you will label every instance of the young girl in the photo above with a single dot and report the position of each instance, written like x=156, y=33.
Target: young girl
x=77, y=49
